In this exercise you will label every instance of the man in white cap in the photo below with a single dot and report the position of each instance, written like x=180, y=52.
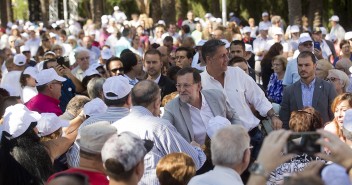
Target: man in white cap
x=277, y=38
x=336, y=28
x=49, y=85
x=198, y=62
x=348, y=37
x=143, y=121
x=324, y=50
x=293, y=42
x=33, y=41
x=265, y=20
x=259, y=46
x=119, y=16
x=117, y=97
x=25, y=50
x=12, y=78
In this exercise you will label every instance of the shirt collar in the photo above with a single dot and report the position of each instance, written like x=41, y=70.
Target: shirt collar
x=310, y=85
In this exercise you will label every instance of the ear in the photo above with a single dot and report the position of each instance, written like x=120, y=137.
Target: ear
x=139, y=170
x=246, y=157
x=129, y=101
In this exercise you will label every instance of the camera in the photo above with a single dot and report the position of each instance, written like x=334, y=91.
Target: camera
x=303, y=143
x=63, y=61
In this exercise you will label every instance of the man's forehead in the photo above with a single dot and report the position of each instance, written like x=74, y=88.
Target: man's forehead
x=152, y=57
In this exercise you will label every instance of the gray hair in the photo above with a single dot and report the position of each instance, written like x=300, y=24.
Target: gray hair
x=228, y=145
x=144, y=93
x=80, y=50
x=344, y=80
x=95, y=88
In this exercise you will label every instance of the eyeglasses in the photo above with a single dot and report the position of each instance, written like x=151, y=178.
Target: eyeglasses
x=332, y=79
x=83, y=58
x=121, y=69
x=186, y=85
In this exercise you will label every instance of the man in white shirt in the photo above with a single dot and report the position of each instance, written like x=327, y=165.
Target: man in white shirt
x=242, y=93
x=324, y=47
x=336, y=28
x=231, y=158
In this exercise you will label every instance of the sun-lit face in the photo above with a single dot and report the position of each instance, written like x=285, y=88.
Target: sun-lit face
x=187, y=89
x=218, y=62
x=340, y=110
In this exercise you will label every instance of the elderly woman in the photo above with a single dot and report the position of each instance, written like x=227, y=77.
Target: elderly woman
x=339, y=79
x=275, y=87
x=345, y=50
x=323, y=67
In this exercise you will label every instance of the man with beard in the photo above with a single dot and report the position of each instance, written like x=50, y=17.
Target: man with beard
x=153, y=66
x=309, y=91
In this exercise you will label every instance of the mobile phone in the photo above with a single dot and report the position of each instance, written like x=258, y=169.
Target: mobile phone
x=317, y=45
x=303, y=143
x=63, y=61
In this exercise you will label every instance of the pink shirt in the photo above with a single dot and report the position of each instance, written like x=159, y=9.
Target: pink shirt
x=44, y=104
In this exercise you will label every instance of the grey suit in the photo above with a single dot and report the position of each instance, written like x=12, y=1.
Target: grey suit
x=177, y=112
x=323, y=95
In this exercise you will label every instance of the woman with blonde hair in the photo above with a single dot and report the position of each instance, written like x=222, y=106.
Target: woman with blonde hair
x=339, y=106
x=339, y=79
x=323, y=67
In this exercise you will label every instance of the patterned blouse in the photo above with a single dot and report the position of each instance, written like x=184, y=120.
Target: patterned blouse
x=275, y=89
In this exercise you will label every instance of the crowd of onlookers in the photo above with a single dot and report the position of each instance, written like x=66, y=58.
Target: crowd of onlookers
x=192, y=102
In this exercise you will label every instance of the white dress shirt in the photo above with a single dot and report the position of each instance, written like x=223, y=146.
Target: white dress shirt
x=241, y=91
x=220, y=175
x=200, y=118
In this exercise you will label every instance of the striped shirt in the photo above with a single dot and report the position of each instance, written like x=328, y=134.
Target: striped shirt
x=165, y=137
x=307, y=93
x=111, y=115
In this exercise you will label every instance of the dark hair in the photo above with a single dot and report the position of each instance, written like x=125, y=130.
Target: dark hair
x=240, y=43
x=119, y=102
x=110, y=60
x=125, y=32
x=186, y=70
x=116, y=171
x=274, y=50
x=128, y=59
x=6, y=102
x=125, y=51
x=237, y=59
x=23, y=78
x=188, y=51
x=95, y=87
x=343, y=42
x=168, y=39
x=86, y=80
x=144, y=93
x=4, y=92
x=172, y=71
x=63, y=32
x=305, y=54
x=152, y=52
x=41, y=88
x=45, y=63
x=210, y=47
x=186, y=28
x=24, y=159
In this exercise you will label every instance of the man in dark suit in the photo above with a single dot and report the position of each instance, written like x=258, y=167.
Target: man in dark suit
x=308, y=91
x=191, y=111
x=153, y=66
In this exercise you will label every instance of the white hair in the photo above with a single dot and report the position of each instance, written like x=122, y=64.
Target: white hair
x=344, y=80
x=80, y=50
x=228, y=145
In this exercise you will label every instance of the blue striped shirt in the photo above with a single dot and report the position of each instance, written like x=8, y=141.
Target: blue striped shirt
x=165, y=137
x=111, y=115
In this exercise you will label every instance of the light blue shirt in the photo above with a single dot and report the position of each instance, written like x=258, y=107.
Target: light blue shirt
x=291, y=73
x=307, y=93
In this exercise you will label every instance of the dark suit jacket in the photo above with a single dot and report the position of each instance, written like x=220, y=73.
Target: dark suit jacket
x=166, y=85
x=178, y=113
x=323, y=95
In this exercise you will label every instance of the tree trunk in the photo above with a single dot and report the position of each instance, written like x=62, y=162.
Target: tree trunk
x=294, y=11
x=181, y=9
x=156, y=10
x=143, y=6
x=215, y=8
x=4, y=15
x=314, y=13
x=169, y=15
x=44, y=8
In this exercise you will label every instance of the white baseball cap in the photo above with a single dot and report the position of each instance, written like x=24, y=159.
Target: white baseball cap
x=246, y=29
x=106, y=53
x=47, y=75
x=49, y=123
x=304, y=39
x=19, y=60
x=263, y=27
x=116, y=87
x=227, y=43
x=95, y=106
x=334, y=18
x=277, y=31
x=265, y=14
x=323, y=30
x=294, y=29
x=17, y=119
x=348, y=35
x=215, y=124
x=32, y=71
x=201, y=42
x=24, y=48
x=249, y=47
x=91, y=71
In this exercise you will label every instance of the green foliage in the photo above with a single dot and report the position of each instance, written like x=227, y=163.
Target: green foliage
x=127, y=6
x=20, y=9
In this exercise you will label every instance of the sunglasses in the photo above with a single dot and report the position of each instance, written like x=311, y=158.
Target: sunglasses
x=121, y=69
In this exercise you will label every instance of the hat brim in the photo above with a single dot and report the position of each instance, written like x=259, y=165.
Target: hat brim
x=148, y=145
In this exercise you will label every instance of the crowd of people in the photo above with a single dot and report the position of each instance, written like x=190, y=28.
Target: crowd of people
x=193, y=102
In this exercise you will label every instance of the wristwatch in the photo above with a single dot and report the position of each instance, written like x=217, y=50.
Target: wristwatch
x=273, y=115
x=258, y=169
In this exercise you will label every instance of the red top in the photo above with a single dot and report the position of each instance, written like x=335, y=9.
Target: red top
x=94, y=177
x=44, y=104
